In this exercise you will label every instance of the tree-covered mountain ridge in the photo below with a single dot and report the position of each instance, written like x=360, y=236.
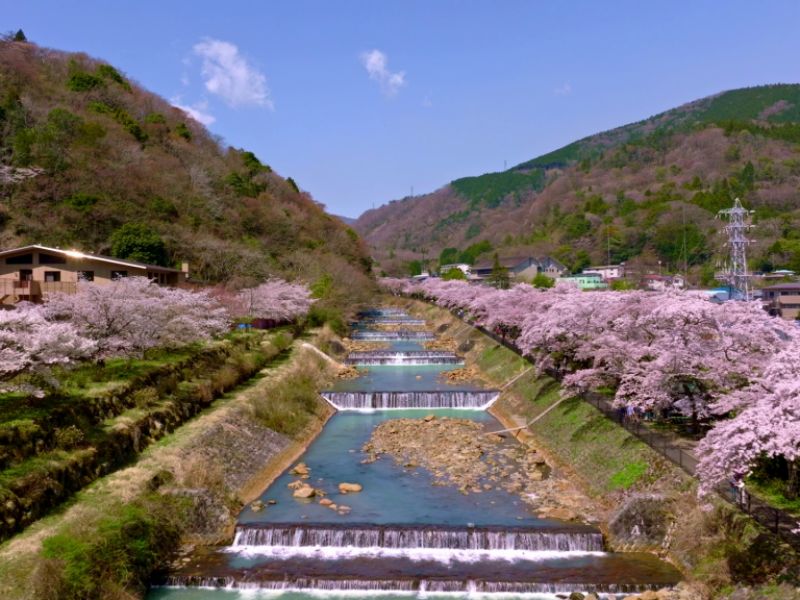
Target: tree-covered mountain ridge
x=91, y=160
x=633, y=193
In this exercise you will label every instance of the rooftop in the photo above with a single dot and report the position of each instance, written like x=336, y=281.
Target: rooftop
x=76, y=254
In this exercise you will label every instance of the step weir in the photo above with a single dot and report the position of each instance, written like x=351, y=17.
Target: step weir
x=474, y=400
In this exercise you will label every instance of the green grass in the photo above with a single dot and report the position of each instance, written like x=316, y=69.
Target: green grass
x=500, y=363
x=773, y=492
x=604, y=454
x=628, y=475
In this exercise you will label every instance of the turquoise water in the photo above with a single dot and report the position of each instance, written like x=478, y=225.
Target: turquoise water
x=407, y=378
x=391, y=493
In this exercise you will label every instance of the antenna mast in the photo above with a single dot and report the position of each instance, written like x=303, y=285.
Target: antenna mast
x=735, y=273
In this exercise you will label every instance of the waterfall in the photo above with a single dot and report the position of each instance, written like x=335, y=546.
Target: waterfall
x=476, y=400
x=420, y=536
x=388, y=336
x=410, y=584
x=383, y=312
x=384, y=357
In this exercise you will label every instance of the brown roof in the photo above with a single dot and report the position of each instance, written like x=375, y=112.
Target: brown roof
x=79, y=255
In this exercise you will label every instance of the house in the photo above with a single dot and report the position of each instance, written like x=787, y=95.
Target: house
x=30, y=273
x=607, y=272
x=551, y=267
x=782, y=300
x=659, y=283
x=518, y=268
x=586, y=281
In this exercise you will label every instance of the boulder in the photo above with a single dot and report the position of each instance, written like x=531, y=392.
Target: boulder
x=305, y=491
x=326, y=501
x=576, y=596
x=300, y=469
x=297, y=484
x=257, y=506
x=272, y=502
x=429, y=418
x=349, y=488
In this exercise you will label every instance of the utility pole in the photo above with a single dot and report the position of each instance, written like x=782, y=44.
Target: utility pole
x=735, y=272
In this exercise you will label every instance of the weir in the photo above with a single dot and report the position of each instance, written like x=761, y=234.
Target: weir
x=420, y=536
x=476, y=400
x=388, y=357
x=388, y=336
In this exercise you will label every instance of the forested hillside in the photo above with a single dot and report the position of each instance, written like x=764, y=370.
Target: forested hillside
x=634, y=193
x=91, y=160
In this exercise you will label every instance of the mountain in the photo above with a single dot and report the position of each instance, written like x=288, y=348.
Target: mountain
x=91, y=160
x=644, y=192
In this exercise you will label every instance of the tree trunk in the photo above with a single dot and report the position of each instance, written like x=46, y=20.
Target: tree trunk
x=793, y=480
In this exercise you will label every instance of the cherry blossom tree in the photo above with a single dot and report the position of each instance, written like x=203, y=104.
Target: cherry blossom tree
x=29, y=343
x=766, y=425
x=276, y=300
x=132, y=314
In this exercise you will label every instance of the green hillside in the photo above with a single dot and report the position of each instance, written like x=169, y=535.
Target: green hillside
x=91, y=160
x=647, y=192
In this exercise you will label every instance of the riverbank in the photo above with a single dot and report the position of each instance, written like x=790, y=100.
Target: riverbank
x=644, y=502
x=187, y=488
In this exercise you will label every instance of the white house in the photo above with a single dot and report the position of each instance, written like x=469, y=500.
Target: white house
x=607, y=271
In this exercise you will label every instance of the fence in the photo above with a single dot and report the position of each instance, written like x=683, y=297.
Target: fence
x=774, y=519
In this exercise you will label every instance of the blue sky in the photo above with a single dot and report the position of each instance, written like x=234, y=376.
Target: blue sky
x=359, y=101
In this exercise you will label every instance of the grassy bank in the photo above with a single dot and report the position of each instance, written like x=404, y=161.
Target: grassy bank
x=649, y=503
x=188, y=486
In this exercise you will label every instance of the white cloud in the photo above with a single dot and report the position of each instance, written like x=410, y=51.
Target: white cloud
x=375, y=63
x=198, y=111
x=228, y=74
x=564, y=90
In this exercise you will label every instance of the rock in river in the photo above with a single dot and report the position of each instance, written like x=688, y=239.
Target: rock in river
x=305, y=491
x=348, y=488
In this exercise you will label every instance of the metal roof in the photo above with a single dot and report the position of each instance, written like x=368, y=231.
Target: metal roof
x=76, y=254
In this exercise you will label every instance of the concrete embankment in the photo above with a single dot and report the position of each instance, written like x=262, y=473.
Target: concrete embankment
x=187, y=488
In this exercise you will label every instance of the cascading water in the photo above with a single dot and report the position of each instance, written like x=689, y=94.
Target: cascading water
x=405, y=535
x=388, y=357
x=475, y=400
x=419, y=536
x=388, y=336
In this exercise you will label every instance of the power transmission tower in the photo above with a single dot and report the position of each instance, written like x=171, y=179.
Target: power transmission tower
x=735, y=272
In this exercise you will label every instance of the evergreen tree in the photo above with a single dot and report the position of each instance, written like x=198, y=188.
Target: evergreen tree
x=499, y=277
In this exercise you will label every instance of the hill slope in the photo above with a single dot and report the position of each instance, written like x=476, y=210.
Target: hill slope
x=85, y=151
x=624, y=194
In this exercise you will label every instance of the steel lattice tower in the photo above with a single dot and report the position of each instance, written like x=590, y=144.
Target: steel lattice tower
x=735, y=274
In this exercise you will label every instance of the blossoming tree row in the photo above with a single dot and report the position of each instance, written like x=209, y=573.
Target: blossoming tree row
x=127, y=317
x=671, y=351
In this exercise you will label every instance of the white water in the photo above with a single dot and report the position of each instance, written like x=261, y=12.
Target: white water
x=361, y=401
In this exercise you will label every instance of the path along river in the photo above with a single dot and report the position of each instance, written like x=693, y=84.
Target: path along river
x=403, y=534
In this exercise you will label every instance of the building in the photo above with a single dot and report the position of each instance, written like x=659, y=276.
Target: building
x=464, y=267
x=782, y=300
x=551, y=267
x=607, y=272
x=32, y=272
x=586, y=281
x=659, y=283
x=519, y=267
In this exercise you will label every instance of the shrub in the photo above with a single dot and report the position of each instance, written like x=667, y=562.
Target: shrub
x=137, y=241
x=68, y=437
x=124, y=548
x=122, y=117
x=80, y=81
x=145, y=397
x=109, y=72
x=156, y=119
x=183, y=131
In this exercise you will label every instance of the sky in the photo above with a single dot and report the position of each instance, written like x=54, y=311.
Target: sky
x=361, y=101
